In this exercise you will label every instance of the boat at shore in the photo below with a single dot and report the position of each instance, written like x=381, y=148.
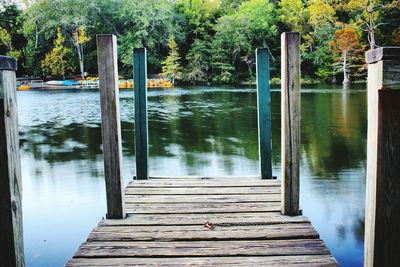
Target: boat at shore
x=89, y=83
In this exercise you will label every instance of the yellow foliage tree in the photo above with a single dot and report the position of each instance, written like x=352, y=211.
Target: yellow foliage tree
x=55, y=61
x=171, y=66
x=80, y=37
x=320, y=12
x=5, y=39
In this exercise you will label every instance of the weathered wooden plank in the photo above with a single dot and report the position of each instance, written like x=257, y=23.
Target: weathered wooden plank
x=182, y=208
x=203, y=248
x=200, y=219
x=383, y=54
x=199, y=232
x=198, y=177
x=167, y=199
x=391, y=74
x=264, y=113
x=290, y=120
x=202, y=183
x=195, y=190
x=298, y=261
x=383, y=170
x=11, y=233
x=110, y=124
x=141, y=127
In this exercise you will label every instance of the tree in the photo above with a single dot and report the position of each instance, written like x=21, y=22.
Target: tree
x=369, y=15
x=346, y=44
x=223, y=70
x=396, y=37
x=253, y=25
x=5, y=39
x=143, y=23
x=294, y=14
x=55, y=62
x=79, y=38
x=171, y=65
x=321, y=12
x=10, y=40
x=198, y=62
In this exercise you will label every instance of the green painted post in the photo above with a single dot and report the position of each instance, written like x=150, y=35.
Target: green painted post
x=141, y=135
x=264, y=113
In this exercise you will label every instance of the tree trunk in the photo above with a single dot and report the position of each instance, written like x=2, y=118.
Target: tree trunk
x=36, y=35
x=80, y=57
x=79, y=51
x=371, y=26
x=345, y=74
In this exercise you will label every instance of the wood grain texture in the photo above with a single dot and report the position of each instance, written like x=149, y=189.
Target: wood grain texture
x=298, y=261
x=200, y=219
x=383, y=53
x=200, y=198
x=141, y=127
x=290, y=121
x=387, y=210
x=391, y=74
x=189, y=208
x=383, y=170
x=243, y=190
x=374, y=83
x=164, y=229
x=188, y=183
x=199, y=232
x=203, y=248
x=110, y=124
x=8, y=63
x=264, y=113
x=11, y=232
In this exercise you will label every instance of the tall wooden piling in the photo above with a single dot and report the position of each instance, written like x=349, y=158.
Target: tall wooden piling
x=264, y=113
x=110, y=124
x=11, y=234
x=290, y=122
x=382, y=218
x=141, y=128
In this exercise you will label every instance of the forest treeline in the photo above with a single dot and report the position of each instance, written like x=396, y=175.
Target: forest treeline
x=198, y=41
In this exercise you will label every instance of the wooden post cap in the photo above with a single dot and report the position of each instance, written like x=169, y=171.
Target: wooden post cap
x=8, y=63
x=383, y=53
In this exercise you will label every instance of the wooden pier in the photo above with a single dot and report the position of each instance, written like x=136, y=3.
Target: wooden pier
x=216, y=221
x=166, y=226
x=203, y=221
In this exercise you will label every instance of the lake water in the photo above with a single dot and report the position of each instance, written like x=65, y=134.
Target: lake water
x=192, y=131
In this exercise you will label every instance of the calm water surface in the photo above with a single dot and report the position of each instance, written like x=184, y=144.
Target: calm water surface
x=192, y=131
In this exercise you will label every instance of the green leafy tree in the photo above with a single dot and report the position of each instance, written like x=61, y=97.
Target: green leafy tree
x=198, y=65
x=11, y=41
x=171, y=65
x=223, y=70
x=253, y=25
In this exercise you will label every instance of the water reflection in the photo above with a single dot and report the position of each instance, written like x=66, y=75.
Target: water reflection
x=192, y=131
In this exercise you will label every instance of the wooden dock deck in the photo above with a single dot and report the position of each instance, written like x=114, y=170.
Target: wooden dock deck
x=165, y=226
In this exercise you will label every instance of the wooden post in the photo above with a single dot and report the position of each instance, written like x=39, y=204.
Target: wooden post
x=382, y=216
x=290, y=122
x=141, y=135
x=11, y=234
x=110, y=124
x=264, y=113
